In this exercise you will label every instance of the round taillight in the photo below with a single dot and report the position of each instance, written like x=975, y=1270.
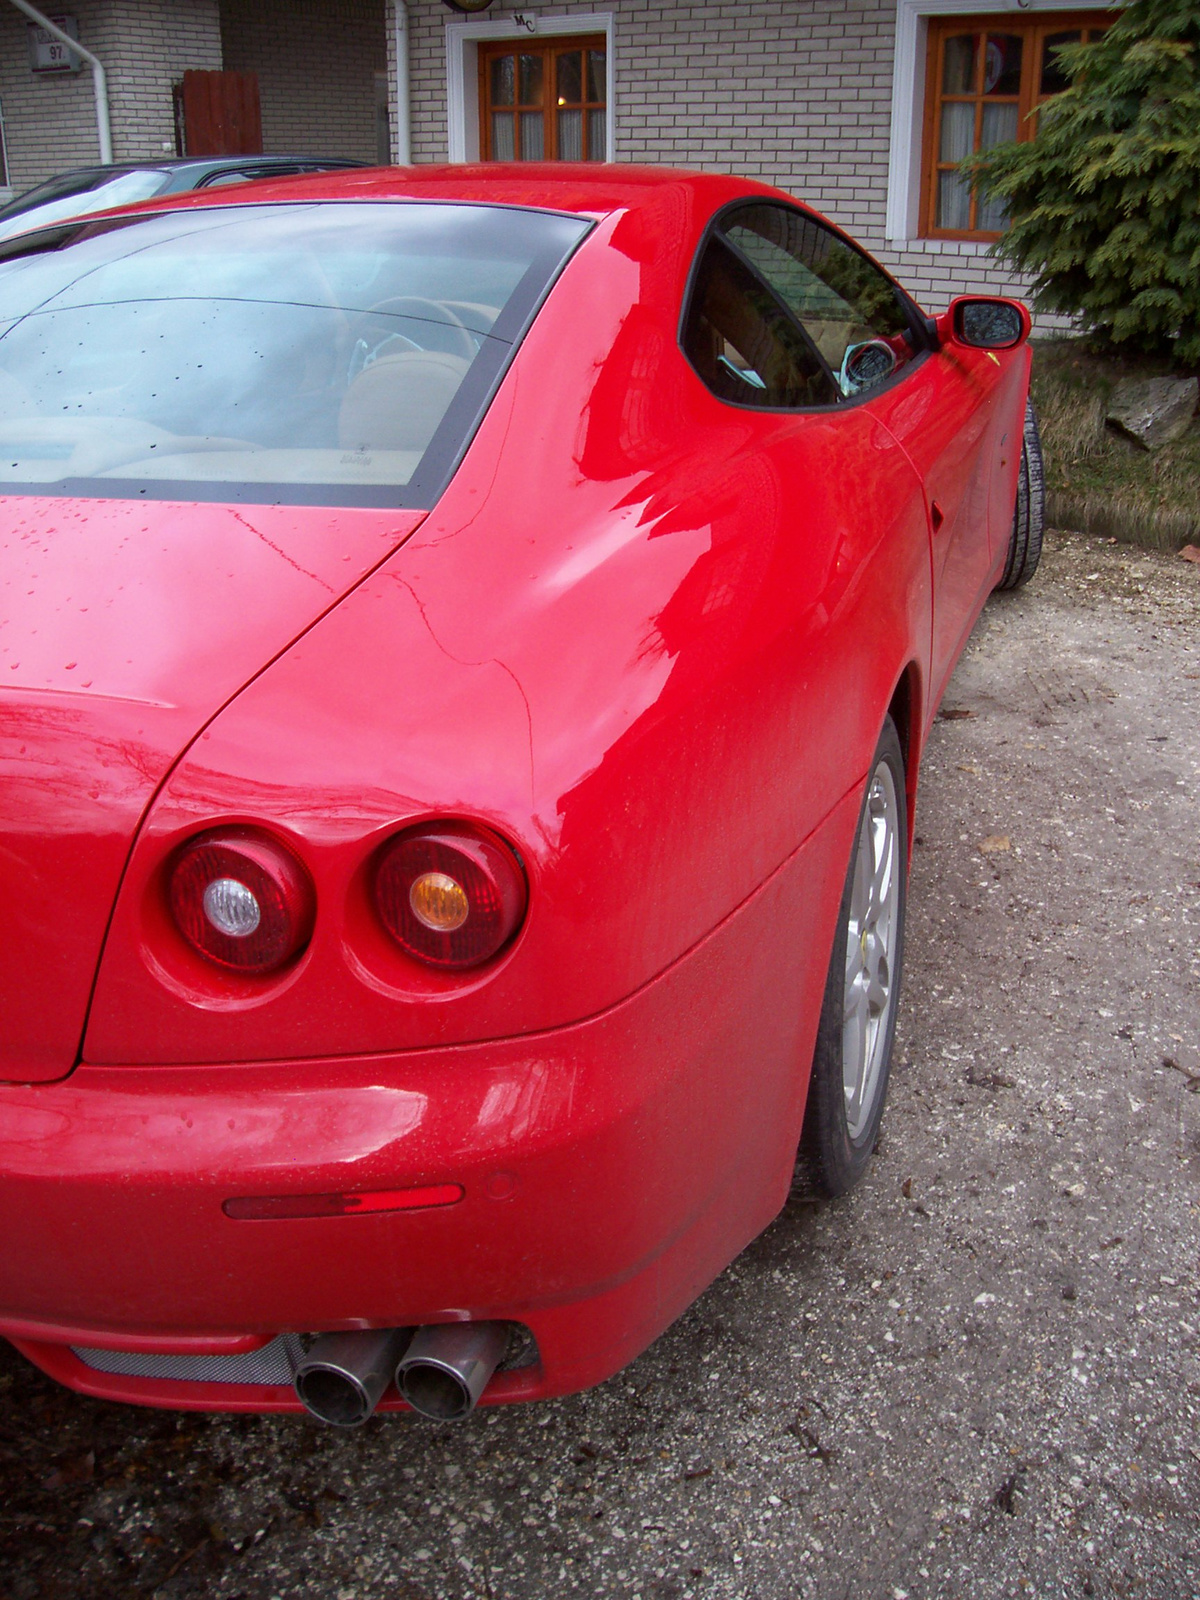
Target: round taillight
x=241, y=900
x=450, y=894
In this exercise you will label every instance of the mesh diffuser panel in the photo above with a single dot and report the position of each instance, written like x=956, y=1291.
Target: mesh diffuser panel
x=274, y=1363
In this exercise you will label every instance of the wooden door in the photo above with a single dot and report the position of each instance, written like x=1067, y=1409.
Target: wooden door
x=220, y=114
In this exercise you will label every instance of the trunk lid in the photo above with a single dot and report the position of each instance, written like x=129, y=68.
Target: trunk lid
x=124, y=627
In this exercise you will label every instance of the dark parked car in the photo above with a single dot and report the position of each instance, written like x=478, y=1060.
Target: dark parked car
x=88, y=189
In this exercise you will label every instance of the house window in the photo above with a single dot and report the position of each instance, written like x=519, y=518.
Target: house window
x=986, y=77
x=543, y=102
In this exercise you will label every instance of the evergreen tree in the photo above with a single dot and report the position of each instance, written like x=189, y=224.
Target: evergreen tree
x=1104, y=204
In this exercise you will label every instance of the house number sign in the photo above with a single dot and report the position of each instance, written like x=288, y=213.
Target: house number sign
x=48, y=54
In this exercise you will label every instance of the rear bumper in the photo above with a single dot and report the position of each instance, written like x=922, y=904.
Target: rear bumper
x=608, y=1171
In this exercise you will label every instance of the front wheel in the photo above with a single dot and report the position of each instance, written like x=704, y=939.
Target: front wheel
x=1029, y=515
x=853, y=1056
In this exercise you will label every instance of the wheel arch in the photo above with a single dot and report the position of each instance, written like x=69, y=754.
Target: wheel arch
x=906, y=711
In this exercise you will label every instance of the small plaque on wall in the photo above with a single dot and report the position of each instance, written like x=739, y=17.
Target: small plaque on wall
x=48, y=54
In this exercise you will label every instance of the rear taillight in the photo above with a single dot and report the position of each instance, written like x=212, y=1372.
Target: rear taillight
x=450, y=894
x=241, y=900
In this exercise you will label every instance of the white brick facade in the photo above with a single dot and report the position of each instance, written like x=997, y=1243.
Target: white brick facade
x=795, y=92
x=316, y=62
x=145, y=45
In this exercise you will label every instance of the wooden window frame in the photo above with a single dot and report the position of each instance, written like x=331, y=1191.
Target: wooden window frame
x=549, y=50
x=1034, y=29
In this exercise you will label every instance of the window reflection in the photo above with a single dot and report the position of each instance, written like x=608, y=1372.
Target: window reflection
x=277, y=346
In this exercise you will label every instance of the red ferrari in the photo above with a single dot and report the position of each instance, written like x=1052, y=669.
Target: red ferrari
x=469, y=637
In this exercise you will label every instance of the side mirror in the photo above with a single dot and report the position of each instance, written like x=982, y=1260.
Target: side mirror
x=985, y=324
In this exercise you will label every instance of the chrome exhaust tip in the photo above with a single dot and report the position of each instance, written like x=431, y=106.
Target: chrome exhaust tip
x=343, y=1376
x=448, y=1366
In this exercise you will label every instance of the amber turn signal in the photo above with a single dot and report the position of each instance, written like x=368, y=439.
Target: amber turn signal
x=450, y=894
x=439, y=902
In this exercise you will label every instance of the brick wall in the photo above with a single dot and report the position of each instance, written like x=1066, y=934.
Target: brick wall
x=316, y=62
x=797, y=92
x=794, y=92
x=145, y=45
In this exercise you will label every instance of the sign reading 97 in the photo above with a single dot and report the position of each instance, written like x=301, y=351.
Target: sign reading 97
x=50, y=54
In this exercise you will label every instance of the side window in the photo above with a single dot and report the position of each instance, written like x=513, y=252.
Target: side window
x=743, y=343
x=852, y=311
x=218, y=180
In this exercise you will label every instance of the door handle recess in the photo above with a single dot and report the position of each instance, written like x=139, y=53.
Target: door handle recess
x=936, y=515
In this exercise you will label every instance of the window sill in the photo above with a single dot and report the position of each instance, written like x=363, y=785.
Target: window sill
x=954, y=244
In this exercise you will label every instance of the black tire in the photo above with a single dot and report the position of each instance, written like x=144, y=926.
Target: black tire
x=839, y=1133
x=1029, y=515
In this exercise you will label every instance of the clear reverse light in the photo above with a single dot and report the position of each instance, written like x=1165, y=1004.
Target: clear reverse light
x=231, y=908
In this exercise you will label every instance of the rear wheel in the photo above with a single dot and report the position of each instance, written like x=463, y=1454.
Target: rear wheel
x=853, y=1056
x=1029, y=516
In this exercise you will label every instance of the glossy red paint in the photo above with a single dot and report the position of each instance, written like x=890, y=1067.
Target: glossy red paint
x=648, y=638
x=602, y=1190
x=125, y=628
x=597, y=626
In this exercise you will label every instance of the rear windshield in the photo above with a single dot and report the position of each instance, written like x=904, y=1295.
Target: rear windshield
x=337, y=353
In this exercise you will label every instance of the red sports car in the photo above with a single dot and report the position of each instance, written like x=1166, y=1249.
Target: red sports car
x=468, y=637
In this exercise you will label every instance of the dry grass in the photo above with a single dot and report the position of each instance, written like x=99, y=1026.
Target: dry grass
x=1098, y=481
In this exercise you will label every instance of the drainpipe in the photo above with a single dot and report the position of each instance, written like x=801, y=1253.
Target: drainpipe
x=99, y=80
x=403, y=110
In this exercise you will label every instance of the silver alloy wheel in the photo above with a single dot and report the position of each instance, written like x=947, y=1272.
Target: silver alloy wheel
x=871, y=942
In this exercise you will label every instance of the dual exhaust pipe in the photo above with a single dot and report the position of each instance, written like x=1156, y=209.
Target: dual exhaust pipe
x=440, y=1370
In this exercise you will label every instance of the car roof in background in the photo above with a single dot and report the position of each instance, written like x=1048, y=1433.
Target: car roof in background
x=80, y=180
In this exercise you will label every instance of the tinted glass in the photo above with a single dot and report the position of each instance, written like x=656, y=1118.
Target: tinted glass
x=77, y=182
x=569, y=74
x=82, y=201
x=958, y=70
x=1054, y=79
x=743, y=343
x=530, y=80
x=220, y=180
x=503, y=80
x=1002, y=64
x=337, y=354
x=842, y=299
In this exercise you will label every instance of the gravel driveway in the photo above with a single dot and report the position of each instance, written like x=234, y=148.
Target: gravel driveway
x=976, y=1377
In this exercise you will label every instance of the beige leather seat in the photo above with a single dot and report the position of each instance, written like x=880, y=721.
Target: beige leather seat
x=397, y=402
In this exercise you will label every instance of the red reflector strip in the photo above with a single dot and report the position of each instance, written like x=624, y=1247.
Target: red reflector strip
x=259, y=1207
